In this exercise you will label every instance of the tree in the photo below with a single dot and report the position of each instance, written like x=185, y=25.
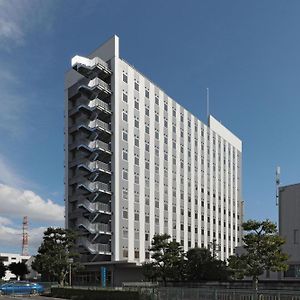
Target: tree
x=54, y=254
x=2, y=269
x=262, y=246
x=19, y=269
x=168, y=260
x=202, y=266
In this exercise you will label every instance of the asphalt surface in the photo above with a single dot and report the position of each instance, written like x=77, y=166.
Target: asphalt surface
x=28, y=298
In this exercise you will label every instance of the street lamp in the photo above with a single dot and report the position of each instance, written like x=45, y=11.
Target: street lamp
x=70, y=261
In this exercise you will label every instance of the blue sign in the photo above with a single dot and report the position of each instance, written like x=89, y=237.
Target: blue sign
x=103, y=276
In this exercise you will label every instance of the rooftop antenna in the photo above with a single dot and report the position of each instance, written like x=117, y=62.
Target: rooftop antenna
x=277, y=182
x=207, y=102
x=25, y=237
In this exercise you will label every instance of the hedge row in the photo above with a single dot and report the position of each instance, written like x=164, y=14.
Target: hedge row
x=85, y=294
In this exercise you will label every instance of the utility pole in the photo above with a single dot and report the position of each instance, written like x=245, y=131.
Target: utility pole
x=25, y=237
x=277, y=183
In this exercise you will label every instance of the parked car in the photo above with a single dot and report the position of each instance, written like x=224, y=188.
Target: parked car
x=21, y=288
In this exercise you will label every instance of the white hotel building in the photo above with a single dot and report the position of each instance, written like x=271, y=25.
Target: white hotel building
x=137, y=163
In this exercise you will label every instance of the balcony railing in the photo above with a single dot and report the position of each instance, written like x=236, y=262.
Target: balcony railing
x=92, y=105
x=98, y=83
x=91, y=125
x=99, y=103
x=90, y=67
x=94, y=227
x=99, y=165
x=96, y=186
x=95, y=206
x=94, y=248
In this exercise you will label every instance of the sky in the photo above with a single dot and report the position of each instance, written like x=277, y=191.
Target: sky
x=245, y=52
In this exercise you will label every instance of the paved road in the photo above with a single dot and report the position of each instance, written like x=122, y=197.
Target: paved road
x=28, y=298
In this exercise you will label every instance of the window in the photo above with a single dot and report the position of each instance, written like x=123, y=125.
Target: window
x=136, y=198
x=136, y=217
x=125, y=136
x=147, y=165
x=146, y=93
x=156, y=100
x=156, y=118
x=125, y=155
x=136, y=254
x=125, y=214
x=125, y=233
x=125, y=116
x=136, y=235
x=136, y=160
x=136, y=123
x=166, y=107
x=146, y=236
x=125, y=253
x=156, y=135
x=125, y=78
x=147, y=147
x=125, y=175
x=136, y=105
x=136, y=142
x=147, y=111
x=125, y=194
x=125, y=97
x=136, y=85
x=147, y=129
x=136, y=179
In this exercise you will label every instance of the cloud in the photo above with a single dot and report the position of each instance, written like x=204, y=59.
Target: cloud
x=5, y=221
x=19, y=17
x=7, y=175
x=11, y=237
x=13, y=106
x=26, y=203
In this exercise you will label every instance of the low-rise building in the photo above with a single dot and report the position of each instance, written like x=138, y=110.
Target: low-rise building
x=7, y=259
x=289, y=227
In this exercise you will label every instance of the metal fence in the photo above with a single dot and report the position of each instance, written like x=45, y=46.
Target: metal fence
x=214, y=294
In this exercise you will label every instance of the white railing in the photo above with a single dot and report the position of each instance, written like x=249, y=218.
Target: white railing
x=100, y=124
x=98, y=165
x=96, y=186
x=92, y=145
x=99, y=145
x=93, y=227
x=97, y=102
x=83, y=61
x=94, y=206
x=94, y=248
x=97, y=82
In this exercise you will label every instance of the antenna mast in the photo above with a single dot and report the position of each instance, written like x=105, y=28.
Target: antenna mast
x=25, y=251
x=277, y=182
x=207, y=102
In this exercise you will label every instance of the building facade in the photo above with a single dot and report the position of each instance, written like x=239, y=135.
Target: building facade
x=137, y=163
x=7, y=259
x=289, y=227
